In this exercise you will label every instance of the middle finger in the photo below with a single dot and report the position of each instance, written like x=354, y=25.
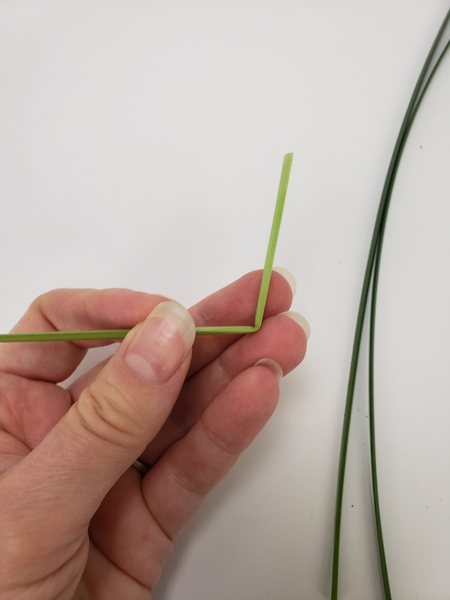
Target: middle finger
x=281, y=338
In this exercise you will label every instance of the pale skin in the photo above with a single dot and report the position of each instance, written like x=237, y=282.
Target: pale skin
x=76, y=520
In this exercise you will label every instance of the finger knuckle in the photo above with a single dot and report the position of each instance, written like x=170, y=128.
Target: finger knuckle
x=107, y=414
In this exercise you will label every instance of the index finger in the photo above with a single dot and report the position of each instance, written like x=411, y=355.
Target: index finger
x=233, y=304
x=71, y=310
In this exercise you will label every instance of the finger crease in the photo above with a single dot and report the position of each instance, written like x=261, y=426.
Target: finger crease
x=218, y=440
x=185, y=481
x=115, y=565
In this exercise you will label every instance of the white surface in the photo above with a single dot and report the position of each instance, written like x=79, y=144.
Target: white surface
x=140, y=146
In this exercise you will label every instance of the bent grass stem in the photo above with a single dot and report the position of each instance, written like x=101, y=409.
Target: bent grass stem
x=119, y=334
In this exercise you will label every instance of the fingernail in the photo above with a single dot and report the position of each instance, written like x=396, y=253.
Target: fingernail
x=272, y=365
x=300, y=320
x=289, y=278
x=161, y=343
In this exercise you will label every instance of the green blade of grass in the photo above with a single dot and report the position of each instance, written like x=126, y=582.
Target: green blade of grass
x=111, y=334
x=65, y=336
x=371, y=277
x=373, y=304
x=273, y=239
x=119, y=334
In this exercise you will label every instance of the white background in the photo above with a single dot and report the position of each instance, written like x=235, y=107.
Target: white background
x=140, y=146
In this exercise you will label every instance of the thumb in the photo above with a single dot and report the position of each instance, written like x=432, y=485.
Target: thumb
x=124, y=408
x=112, y=422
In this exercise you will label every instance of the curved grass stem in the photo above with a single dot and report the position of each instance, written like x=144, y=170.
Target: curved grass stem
x=371, y=279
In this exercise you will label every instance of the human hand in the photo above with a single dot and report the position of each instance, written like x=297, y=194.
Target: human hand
x=75, y=520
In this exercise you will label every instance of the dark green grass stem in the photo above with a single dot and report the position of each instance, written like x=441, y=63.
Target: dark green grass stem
x=379, y=226
x=373, y=305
